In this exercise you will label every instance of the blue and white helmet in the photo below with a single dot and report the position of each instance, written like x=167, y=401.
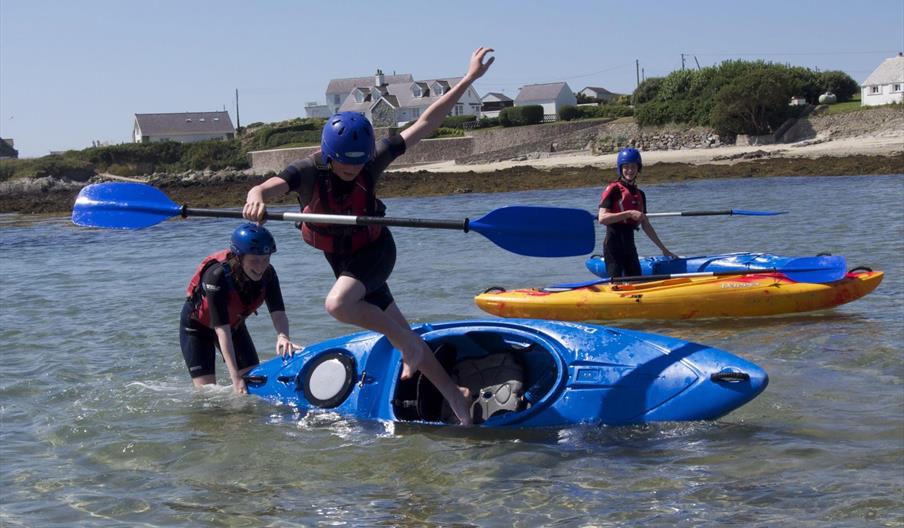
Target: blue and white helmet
x=348, y=137
x=252, y=239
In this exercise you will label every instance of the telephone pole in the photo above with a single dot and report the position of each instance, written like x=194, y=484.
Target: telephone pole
x=682, y=62
x=238, y=123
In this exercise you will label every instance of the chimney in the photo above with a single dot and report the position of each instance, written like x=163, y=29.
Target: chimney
x=378, y=79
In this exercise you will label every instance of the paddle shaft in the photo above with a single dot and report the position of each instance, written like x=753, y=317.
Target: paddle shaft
x=694, y=213
x=666, y=276
x=457, y=225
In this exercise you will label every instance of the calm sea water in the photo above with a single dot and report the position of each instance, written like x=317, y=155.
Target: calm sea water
x=99, y=425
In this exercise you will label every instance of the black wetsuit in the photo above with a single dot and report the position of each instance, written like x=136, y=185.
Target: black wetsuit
x=372, y=264
x=619, y=249
x=199, y=341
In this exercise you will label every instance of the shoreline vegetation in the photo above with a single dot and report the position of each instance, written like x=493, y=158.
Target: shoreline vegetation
x=229, y=190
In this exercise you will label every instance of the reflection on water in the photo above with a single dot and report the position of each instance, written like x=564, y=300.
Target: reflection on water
x=99, y=425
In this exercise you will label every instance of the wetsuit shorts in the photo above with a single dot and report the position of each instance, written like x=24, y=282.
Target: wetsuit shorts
x=620, y=253
x=371, y=266
x=199, y=344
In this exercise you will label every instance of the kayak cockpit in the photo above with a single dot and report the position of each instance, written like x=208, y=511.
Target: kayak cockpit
x=505, y=373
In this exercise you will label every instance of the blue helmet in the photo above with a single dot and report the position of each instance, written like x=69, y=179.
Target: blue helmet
x=348, y=137
x=253, y=239
x=628, y=155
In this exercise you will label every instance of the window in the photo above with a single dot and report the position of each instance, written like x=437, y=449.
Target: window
x=336, y=99
x=896, y=88
x=873, y=90
x=459, y=108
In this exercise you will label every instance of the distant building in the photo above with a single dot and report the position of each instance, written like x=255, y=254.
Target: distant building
x=492, y=103
x=598, y=94
x=184, y=127
x=315, y=109
x=7, y=149
x=885, y=85
x=338, y=90
x=551, y=96
x=797, y=100
x=394, y=104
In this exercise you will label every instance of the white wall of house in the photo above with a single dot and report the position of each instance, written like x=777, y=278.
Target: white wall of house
x=187, y=138
x=564, y=98
x=882, y=94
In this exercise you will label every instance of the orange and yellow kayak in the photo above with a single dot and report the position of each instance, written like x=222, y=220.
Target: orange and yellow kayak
x=681, y=298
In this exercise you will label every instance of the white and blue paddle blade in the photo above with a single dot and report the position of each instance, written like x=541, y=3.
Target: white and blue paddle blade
x=539, y=231
x=122, y=205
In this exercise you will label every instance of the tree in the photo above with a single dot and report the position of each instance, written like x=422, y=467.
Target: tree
x=648, y=90
x=839, y=83
x=754, y=103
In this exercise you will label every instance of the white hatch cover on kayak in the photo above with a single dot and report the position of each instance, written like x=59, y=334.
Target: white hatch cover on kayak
x=329, y=379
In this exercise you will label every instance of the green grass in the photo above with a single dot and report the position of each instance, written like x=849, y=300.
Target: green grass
x=849, y=106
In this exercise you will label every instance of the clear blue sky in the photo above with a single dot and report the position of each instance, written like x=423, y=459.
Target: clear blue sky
x=76, y=71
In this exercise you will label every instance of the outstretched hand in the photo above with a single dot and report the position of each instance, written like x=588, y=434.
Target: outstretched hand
x=477, y=67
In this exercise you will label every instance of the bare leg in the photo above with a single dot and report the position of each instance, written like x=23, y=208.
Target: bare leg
x=200, y=381
x=345, y=303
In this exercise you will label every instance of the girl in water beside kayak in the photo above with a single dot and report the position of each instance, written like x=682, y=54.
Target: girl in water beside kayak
x=622, y=210
x=227, y=287
x=341, y=179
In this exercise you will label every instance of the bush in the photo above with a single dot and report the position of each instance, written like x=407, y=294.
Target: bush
x=521, y=115
x=569, y=112
x=755, y=103
x=486, y=122
x=840, y=84
x=458, y=121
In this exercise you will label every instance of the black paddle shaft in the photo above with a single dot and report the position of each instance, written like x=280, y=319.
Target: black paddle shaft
x=458, y=225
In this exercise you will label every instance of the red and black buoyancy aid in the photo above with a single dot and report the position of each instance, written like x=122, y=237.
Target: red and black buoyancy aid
x=630, y=199
x=361, y=201
x=238, y=310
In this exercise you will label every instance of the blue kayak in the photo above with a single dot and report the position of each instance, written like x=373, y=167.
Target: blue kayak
x=523, y=373
x=725, y=263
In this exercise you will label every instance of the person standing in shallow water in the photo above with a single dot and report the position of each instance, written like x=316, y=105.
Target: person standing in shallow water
x=227, y=287
x=341, y=179
x=622, y=210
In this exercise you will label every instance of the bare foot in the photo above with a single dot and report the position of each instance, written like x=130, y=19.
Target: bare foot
x=462, y=406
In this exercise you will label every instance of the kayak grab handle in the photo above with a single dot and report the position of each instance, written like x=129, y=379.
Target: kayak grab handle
x=729, y=376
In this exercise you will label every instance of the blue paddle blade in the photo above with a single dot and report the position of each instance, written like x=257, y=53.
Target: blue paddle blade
x=820, y=270
x=122, y=206
x=539, y=231
x=757, y=213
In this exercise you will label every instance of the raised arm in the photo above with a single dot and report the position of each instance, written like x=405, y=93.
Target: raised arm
x=433, y=117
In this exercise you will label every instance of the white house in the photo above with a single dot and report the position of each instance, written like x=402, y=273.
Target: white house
x=337, y=90
x=885, y=85
x=315, y=109
x=551, y=96
x=394, y=104
x=598, y=94
x=493, y=102
x=184, y=127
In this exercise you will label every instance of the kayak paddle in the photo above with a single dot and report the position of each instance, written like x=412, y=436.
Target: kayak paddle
x=811, y=275
x=525, y=230
x=730, y=212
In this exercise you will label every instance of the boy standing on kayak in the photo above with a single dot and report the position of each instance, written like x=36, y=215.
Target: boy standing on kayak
x=622, y=210
x=227, y=287
x=341, y=179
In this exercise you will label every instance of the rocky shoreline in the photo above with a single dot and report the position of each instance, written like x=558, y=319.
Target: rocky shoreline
x=228, y=188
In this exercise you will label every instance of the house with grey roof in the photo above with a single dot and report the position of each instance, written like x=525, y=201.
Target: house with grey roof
x=183, y=127
x=394, y=104
x=493, y=102
x=337, y=90
x=885, y=85
x=551, y=96
x=598, y=94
